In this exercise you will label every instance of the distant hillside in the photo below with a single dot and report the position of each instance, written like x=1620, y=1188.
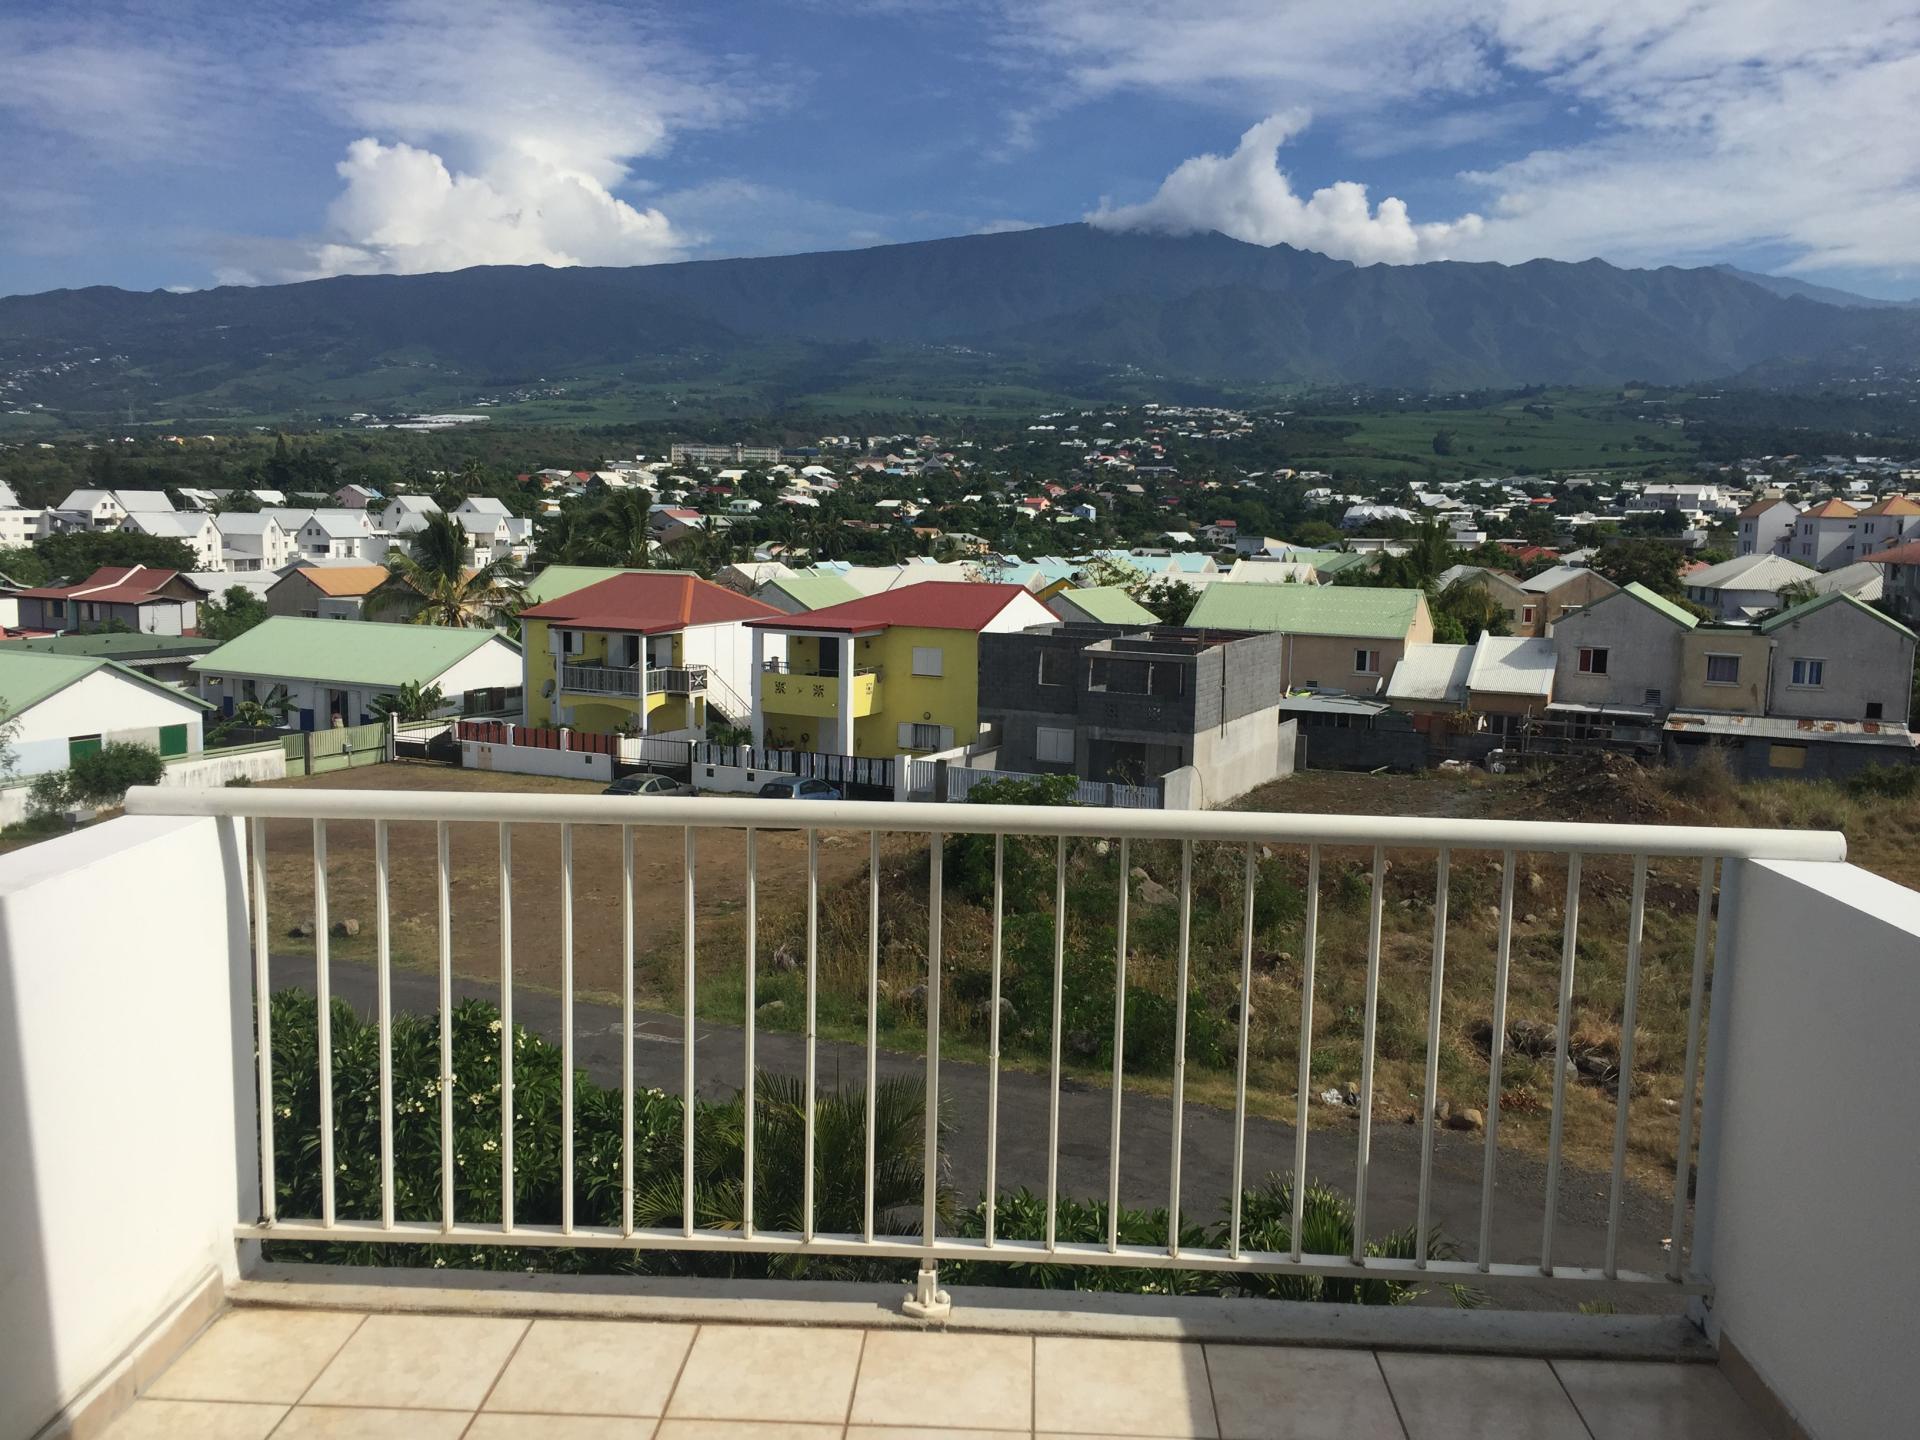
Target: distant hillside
x=1825, y=294
x=1204, y=309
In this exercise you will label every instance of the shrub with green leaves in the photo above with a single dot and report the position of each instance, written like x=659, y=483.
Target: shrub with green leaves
x=104, y=776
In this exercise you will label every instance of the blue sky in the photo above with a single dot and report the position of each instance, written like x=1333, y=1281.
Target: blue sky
x=192, y=142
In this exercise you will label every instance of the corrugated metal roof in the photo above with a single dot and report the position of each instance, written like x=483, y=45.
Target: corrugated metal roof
x=649, y=601
x=1433, y=673
x=28, y=677
x=935, y=605
x=1821, y=602
x=814, y=592
x=1783, y=727
x=1107, y=604
x=347, y=652
x=1512, y=665
x=1353, y=611
x=1660, y=603
x=1772, y=573
x=557, y=580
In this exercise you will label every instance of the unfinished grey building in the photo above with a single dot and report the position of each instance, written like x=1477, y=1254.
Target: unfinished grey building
x=1105, y=702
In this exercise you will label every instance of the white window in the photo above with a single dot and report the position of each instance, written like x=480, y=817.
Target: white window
x=1366, y=662
x=1809, y=673
x=1052, y=746
x=1527, y=613
x=929, y=660
x=1723, y=669
x=1593, y=661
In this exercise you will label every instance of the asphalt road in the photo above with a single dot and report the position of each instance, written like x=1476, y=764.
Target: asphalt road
x=1085, y=1112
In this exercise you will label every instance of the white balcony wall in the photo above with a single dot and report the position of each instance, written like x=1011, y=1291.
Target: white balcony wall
x=124, y=1015
x=1810, y=1160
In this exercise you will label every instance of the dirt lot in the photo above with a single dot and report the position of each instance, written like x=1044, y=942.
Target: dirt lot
x=719, y=889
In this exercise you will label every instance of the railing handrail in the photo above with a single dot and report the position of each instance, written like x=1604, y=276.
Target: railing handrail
x=1239, y=826
x=781, y=667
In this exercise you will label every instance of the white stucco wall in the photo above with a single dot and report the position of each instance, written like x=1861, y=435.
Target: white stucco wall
x=1810, y=1155
x=528, y=760
x=105, y=703
x=496, y=663
x=126, y=1098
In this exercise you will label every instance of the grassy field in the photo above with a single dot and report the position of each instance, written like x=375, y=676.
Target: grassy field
x=1883, y=841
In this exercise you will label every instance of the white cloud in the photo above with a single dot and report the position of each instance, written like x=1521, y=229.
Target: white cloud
x=1248, y=196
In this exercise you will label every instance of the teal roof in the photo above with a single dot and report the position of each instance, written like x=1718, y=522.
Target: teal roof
x=1665, y=606
x=1361, y=612
x=345, y=652
x=1821, y=602
x=1107, y=604
x=112, y=645
x=814, y=592
x=27, y=678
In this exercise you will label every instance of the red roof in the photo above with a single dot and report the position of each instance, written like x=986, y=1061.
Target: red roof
x=1907, y=554
x=650, y=604
x=116, y=584
x=1830, y=510
x=930, y=605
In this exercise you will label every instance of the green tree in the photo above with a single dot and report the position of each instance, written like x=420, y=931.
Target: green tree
x=411, y=702
x=1649, y=562
x=1443, y=442
x=1171, y=600
x=98, y=779
x=27, y=566
x=234, y=613
x=435, y=577
x=76, y=555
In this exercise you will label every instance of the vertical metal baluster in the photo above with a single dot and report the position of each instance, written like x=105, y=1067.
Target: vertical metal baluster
x=1119, y=1051
x=1240, y=1078
x=1497, y=1052
x=1569, y=953
x=1683, y=1147
x=1368, y=1026
x=873, y=1019
x=626, y=1032
x=263, y=1018
x=1309, y=941
x=937, y=891
x=687, y=995
x=443, y=868
x=1180, y=1046
x=566, y=1029
x=1059, y=995
x=383, y=981
x=993, y=1047
x=1436, y=990
x=323, y=1027
x=1636, y=920
x=506, y=1026
x=813, y=972
x=747, y=1080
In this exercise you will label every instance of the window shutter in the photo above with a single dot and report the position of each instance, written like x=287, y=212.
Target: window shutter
x=906, y=735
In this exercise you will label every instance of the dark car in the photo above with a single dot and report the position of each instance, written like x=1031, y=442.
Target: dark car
x=793, y=787
x=644, y=783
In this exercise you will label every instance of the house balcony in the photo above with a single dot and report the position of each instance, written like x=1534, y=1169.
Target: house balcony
x=784, y=691
x=339, y=1107
x=621, y=680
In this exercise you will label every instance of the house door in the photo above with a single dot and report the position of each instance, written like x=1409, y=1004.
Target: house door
x=829, y=658
x=306, y=719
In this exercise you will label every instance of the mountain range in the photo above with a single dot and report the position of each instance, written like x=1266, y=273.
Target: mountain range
x=1202, y=309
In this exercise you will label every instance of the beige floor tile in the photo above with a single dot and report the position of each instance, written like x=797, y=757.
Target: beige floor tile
x=743, y=1430
x=1121, y=1387
x=559, y=1427
x=1265, y=1392
x=593, y=1367
x=1480, y=1397
x=418, y=1362
x=1656, y=1402
x=982, y=1382
x=195, y=1420
x=264, y=1355
x=922, y=1432
x=763, y=1372
x=324, y=1422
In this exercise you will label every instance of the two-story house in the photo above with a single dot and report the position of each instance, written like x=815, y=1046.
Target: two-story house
x=1746, y=585
x=1823, y=535
x=334, y=592
x=1560, y=591
x=1521, y=605
x=1835, y=658
x=1341, y=637
x=1621, y=652
x=252, y=541
x=1116, y=703
x=338, y=535
x=405, y=514
x=1886, y=523
x=643, y=651
x=192, y=528
x=152, y=602
x=892, y=672
x=1766, y=526
x=1900, y=584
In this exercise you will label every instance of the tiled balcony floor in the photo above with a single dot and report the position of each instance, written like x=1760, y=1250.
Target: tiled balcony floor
x=330, y=1375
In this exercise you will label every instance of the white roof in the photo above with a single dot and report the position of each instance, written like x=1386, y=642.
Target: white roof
x=1863, y=580
x=417, y=504
x=149, y=502
x=1512, y=665
x=1432, y=672
x=482, y=524
x=339, y=524
x=1772, y=573
x=167, y=522
x=1550, y=580
x=483, y=505
x=244, y=522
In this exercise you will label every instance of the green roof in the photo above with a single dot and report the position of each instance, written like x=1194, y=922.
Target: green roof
x=814, y=592
x=1659, y=602
x=1334, y=562
x=27, y=678
x=557, y=580
x=345, y=652
x=1820, y=602
x=1110, y=605
x=112, y=646
x=1357, y=611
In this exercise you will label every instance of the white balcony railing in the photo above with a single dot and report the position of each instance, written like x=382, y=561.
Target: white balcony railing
x=617, y=680
x=1245, y=833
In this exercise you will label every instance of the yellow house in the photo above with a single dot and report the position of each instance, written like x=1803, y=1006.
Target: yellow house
x=887, y=673
x=644, y=652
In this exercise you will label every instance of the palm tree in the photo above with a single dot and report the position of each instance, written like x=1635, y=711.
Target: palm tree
x=620, y=532
x=436, y=578
x=413, y=701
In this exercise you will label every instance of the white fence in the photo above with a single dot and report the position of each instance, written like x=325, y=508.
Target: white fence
x=1245, y=834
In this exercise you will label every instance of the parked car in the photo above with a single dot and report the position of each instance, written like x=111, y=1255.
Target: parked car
x=643, y=783
x=795, y=787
